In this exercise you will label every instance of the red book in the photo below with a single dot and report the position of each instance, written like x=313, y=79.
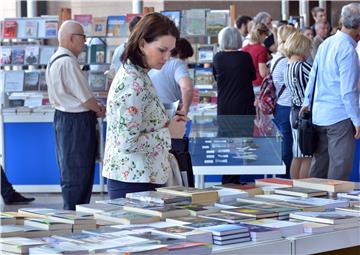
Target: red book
x=281, y=182
x=10, y=27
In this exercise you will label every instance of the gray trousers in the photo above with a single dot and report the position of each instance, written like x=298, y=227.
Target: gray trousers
x=334, y=155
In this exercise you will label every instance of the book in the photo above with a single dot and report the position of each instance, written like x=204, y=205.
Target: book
x=6, y=219
x=256, y=213
x=215, y=21
x=300, y=192
x=229, y=194
x=21, y=231
x=128, y=18
x=325, y=184
x=287, y=228
x=190, y=220
x=198, y=196
x=351, y=210
x=31, y=28
x=281, y=182
x=226, y=229
x=205, y=53
x=5, y=55
x=251, y=189
x=10, y=29
x=194, y=22
x=20, y=245
x=352, y=195
x=42, y=82
x=14, y=81
x=324, y=217
x=116, y=26
x=86, y=21
x=229, y=218
x=97, y=53
x=47, y=224
x=96, y=208
x=83, y=56
x=72, y=217
x=260, y=233
x=232, y=241
x=316, y=228
x=64, y=14
x=232, y=236
x=282, y=211
x=51, y=28
x=99, y=26
x=157, y=197
x=59, y=248
x=32, y=55
x=183, y=232
x=19, y=217
x=174, y=15
x=148, y=249
x=197, y=209
x=97, y=81
x=46, y=53
x=204, y=78
x=31, y=81
x=161, y=211
x=17, y=55
x=35, y=212
x=125, y=217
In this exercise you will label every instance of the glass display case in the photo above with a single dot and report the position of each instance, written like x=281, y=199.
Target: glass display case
x=229, y=144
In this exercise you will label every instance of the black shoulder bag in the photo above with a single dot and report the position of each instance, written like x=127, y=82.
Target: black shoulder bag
x=308, y=138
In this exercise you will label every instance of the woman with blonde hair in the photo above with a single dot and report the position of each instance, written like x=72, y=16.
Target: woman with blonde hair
x=259, y=53
x=297, y=49
x=283, y=102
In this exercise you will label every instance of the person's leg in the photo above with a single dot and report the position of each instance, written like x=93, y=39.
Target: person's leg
x=6, y=187
x=76, y=155
x=118, y=189
x=320, y=162
x=305, y=168
x=341, y=149
x=281, y=118
x=295, y=168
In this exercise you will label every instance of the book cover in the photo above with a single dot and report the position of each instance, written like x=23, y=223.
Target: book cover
x=215, y=21
x=230, y=218
x=281, y=182
x=300, y=192
x=19, y=244
x=233, y=241
x=5, y=55
x=97, y=53
x=31, y=81
x=97, y=81
x=174, y=15
x=129, y=17
x=125, y=217
x=64, y=14
x=96, y=207
x=10, y=28
x=42, y=82
x=17, y=55
x=86, y=21
x=116, y=26
x=7, y=219
x=31, y=28
x=47, y=224
x=182, y=232
x=73, y=218
x=46, y=53
x=198, y=196
x=353, y=195
x=204, y=78
x=14, y=81
x=325, y=217
x=163, y=211
x=257, y=213
x=99, y=26
x=32, y=55
x=194, y=22
x=51, y=28
x=226, y=229
x=190, y=220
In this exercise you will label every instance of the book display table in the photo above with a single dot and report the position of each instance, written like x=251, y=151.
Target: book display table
x=231, y=145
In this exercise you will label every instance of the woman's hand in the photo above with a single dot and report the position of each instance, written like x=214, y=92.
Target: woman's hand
x=177, y=127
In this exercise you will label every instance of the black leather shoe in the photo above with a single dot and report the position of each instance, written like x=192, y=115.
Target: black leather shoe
x=17, y=198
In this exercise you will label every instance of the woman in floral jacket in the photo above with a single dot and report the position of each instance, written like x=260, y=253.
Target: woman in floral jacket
x=138, y=130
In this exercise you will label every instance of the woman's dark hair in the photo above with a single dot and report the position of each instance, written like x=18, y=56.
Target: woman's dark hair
x=183, y=49
x=149, y=28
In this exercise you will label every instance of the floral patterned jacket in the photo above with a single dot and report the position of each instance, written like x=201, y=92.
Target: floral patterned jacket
x=137, y=139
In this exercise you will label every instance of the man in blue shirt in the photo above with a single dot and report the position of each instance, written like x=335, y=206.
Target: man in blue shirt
x=336, y=99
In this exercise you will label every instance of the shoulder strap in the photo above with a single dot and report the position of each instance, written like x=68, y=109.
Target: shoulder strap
x=56, y=58
x=281, y=90
x=276, y=62
x=313, y=94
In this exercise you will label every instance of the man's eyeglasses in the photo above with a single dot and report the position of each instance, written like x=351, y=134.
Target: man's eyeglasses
x=83, y=36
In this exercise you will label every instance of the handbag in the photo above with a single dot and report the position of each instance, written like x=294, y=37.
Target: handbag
x=308, y=138
x=295, y=116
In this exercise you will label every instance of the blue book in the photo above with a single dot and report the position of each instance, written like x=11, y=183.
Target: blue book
x=116, y=26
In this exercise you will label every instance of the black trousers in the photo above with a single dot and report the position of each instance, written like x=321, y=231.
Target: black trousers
x=75, y=135
x=7, y=189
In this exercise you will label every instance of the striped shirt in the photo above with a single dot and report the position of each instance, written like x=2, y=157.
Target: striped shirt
x=296, y=77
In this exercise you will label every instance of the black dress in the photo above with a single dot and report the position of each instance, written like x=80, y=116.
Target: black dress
x=234, y=73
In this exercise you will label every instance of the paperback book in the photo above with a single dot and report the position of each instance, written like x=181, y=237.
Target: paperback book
x=158, y=197
x=325, y=184
x=125, y=217
x=31, y=81
x=116, y=26
x=32, y=55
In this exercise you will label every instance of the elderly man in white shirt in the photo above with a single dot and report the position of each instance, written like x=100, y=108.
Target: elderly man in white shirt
x=76, y=111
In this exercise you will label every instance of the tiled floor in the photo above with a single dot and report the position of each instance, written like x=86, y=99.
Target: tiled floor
x=46, y=200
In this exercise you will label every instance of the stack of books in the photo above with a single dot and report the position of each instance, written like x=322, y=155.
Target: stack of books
x=228, y=234
x=198, y=196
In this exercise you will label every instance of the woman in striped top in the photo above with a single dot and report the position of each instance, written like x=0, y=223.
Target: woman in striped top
x=297, y=49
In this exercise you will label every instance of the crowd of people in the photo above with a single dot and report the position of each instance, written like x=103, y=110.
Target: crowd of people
x=151, y=70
